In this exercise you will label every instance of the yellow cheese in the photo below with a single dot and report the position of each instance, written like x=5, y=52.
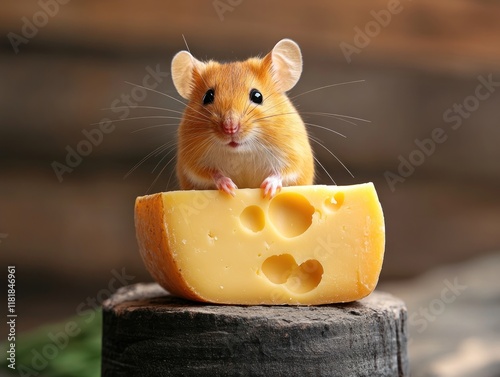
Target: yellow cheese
x=308, y=245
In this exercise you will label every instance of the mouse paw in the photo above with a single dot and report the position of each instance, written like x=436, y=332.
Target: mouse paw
x=271, y=185
x=225, y=184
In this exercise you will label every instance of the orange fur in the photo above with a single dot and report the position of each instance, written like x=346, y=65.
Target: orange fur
x=276, y=144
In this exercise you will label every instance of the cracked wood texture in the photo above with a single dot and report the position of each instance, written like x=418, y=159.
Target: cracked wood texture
x=147, y=332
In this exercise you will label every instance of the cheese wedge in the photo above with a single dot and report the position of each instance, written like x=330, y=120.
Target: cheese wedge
x=308, y=245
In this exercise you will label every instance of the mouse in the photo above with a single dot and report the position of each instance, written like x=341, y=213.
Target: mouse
x=239, y=129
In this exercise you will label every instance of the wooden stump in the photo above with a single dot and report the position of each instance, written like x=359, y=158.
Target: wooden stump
x=148, y=332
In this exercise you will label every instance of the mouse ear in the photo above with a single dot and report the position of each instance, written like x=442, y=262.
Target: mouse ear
x=286, y=63
x=183, y=66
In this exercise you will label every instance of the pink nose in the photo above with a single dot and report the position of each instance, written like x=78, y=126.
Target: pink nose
x=230, y=126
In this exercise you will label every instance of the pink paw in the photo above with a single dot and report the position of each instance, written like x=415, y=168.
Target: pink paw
x=225, y=184
x=271, y=185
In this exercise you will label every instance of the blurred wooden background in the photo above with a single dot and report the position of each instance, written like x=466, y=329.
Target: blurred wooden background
x=66, y=237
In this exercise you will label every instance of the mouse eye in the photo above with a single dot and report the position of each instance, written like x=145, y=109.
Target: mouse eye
x=209, y=97
x=256, y=96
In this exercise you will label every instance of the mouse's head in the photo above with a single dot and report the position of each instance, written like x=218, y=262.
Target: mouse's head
x=236, y=104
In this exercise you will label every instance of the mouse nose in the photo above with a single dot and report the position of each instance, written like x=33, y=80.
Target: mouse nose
x=230, y=126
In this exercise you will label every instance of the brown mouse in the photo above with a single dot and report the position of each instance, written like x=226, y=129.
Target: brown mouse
x=239, y=128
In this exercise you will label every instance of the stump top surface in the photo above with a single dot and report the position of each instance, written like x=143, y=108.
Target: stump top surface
x=153, y=298
x=148, y=332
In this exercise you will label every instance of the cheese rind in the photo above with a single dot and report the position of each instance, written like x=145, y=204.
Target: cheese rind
x=308, y=245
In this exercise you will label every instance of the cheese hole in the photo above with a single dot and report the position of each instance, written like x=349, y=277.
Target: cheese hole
x=291, y=214
x=253, y=218
x=282, y=269
x=278, y=268
x=333, y=203
x=305, y=277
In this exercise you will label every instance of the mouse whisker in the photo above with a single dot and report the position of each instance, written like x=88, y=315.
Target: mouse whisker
x=327, y=86
x=249, y=103
x=155, y=126
x=166, y=95
x=156, y=151
x=170, y=177
x=333, y=154
x=273, y=115
x=341, y=119
x=161, y=160
x=144, y=107
x=324, y=169
x=333, y=115
x=193, y=142
x=325, y=128
x=270, y=108
x=205, y=117
x=155, y=91
x=136, y=118
x=196, y=119
x=321, y=88
x=161, y=171
x=269, y=152
x=251, y=111
x=256, y=106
